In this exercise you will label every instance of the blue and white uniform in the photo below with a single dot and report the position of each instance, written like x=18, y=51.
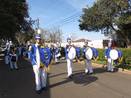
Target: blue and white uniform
x=69, y=62
x=57, y=54
x=13, y=60
x=7, y=57
x=88, y=64
x=7, y=51
x=92, y=54
x=36, y=58
x=78, y=52
x=109, y=60
x=40, y=74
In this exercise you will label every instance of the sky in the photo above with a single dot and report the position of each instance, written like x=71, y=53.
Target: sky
x=62, y=14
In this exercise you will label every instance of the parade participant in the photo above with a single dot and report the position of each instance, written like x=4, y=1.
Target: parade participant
x=13, y=58
x=6, y=57
x=28, y=48
x=113, y=55
x=110, y=67
x=88, y=55
x=53, y=53
x=29, y=52
x=8, y=45
x=40, y=76
x=7, y=50
x=78, y=54
x=57, y=52
x=40, y=59
x=70, y=55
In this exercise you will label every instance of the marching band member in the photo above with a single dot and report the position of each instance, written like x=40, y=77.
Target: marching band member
x=57, y=52
x=6, y=54
x=69, y=61
x=110, y=67
x=113, y=55
x=28, y=50
x=7, y=50
x=40, y=76
x=78, y=54
x=88, y=64
x=13, y=58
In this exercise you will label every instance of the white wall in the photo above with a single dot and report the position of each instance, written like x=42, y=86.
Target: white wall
x=94, y=43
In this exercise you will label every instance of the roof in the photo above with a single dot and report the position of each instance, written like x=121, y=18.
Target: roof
x=81, y=40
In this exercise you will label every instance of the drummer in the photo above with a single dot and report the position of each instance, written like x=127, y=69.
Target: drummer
x=88, y=64
x=69, y=62
x=110, y=67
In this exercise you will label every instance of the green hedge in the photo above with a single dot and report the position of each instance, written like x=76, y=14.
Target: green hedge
x=125, y=64
x=101, y=59
x=126, y=56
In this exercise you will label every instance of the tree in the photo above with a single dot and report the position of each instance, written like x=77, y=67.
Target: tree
x=13, y=14
x=108, y=16
x=53, y=35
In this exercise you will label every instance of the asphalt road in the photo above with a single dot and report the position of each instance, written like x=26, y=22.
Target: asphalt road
x=101, y=84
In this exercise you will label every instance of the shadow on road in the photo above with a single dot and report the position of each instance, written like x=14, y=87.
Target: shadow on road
x=78, y=78
x=103, y=70
x=82, y=78
x=19, y=83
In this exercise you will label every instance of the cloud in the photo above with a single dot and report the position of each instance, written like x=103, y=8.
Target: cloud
x=79, y=4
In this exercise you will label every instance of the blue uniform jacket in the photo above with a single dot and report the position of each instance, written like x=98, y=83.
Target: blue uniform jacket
x=33, y=54
x=107, y=52
x=95, y=52
x=66, y=53
x=45, y=55
x=78, y=52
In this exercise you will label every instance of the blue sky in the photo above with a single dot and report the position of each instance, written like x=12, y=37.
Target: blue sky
x=63, y=14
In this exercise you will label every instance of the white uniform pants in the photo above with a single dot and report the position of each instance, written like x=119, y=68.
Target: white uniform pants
x=13, y=65
x=56, y=59
x=40, y=77
x=7, y=59
x=109, y=65
x=69, y=67
x=88, y=66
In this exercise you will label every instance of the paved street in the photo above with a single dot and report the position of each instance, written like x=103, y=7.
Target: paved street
x=101, y=84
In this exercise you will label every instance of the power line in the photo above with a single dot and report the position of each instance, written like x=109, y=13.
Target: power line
x=66, y=19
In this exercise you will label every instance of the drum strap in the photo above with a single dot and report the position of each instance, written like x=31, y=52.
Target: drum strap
x=69, y=47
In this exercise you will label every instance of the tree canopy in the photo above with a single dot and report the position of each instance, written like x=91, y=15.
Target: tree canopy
x=13, y=14
x=108, y=16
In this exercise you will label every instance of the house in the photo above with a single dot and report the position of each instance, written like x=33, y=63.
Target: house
x=81, y=42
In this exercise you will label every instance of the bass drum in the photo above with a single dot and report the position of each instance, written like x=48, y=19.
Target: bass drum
x=72, y=53
x=89, y=54
x=113, y=54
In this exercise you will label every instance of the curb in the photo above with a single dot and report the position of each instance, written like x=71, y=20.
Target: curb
x=125, y=71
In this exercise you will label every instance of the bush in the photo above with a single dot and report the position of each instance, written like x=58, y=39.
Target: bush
x=125, y=64
x=101, y=55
